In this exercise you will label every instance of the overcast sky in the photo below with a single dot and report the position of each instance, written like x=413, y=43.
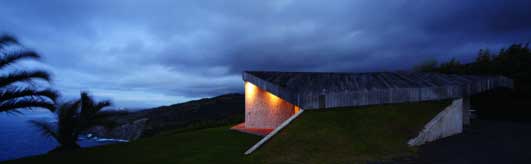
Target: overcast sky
x=151, y=53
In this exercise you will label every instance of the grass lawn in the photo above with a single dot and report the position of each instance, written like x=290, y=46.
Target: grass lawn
x=344, y=135
x=332, y=136
x=214, y=145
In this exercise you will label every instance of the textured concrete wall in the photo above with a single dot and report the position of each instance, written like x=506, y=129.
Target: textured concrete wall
x=265, y=110
x=448, y=122
x=372, y=96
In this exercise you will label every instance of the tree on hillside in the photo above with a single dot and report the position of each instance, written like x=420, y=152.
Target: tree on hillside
x=483, y=63
x=426, y=66
x=483, y=56
x=17, y=87
x=453, y=66
x=73, y=118
x=513, y=62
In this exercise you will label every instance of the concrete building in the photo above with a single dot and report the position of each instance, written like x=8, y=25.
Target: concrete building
x=272, y=99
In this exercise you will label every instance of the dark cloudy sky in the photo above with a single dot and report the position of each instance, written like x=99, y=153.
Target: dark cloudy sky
x=162, y=52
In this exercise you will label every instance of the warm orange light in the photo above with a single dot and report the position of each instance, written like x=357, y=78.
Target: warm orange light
x=264, y=109
x=252, y=92
x=273, y=99
x=296, y=109
x=250, y=89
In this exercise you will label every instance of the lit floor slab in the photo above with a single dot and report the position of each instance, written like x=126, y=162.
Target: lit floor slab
x=255, y=131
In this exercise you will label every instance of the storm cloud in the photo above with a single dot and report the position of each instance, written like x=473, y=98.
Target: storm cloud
x=162, y=52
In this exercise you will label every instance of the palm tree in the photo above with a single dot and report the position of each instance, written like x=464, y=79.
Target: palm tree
x=73, y=118
x=91, y=111
x=14, y=94
x=64, y=131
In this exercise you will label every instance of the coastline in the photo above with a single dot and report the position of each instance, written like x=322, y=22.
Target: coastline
x=19, y=139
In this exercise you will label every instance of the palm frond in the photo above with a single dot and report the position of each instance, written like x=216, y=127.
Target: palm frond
x=87, y=103
x=89, y=110
x=67, y=114
x=89, y=107
x=22, y=77
x=45, y=128
x=18, y=93
x=68, y=121
x=7, y=39
x=67, y=111
x=13, y=57
x=100, y=106
x=11, y=105
x=11, y=96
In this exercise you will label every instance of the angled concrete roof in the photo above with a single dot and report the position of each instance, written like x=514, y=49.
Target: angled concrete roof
x=311, y=90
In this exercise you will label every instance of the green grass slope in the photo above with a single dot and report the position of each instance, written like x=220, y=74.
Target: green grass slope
x=214, y=145
x=330, y=136
x=344, y=135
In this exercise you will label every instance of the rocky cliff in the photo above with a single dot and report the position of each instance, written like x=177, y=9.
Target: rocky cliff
x=127, y=131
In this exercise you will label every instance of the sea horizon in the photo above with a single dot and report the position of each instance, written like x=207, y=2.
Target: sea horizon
x=19, y=139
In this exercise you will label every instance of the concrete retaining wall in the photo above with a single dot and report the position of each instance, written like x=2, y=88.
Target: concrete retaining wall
x=265, y=110
x=448, y=122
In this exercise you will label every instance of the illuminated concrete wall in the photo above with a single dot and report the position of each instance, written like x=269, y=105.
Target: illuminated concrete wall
x=265, y=110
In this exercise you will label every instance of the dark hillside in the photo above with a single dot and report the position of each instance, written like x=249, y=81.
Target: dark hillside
x=224, y=109
x=207, y=112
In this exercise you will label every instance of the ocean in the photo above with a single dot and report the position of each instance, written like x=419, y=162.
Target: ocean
x=18, y=138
